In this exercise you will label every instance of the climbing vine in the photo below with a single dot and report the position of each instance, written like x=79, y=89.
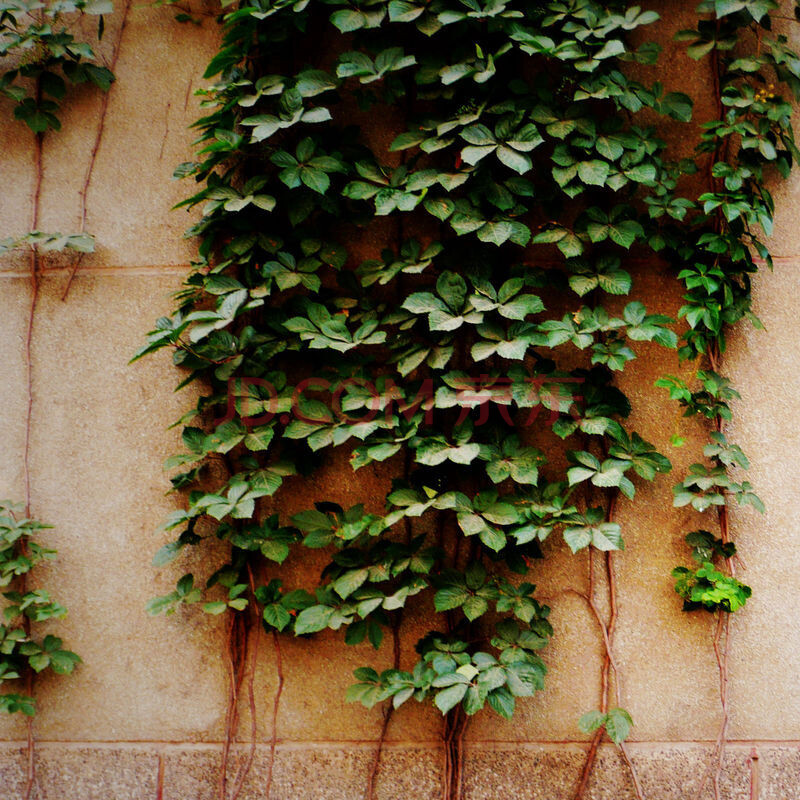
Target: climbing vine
x=750, y=141
x=448, y=305
x=40, y=58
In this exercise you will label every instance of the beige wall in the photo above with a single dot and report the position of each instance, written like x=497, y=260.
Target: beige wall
x=145, y=712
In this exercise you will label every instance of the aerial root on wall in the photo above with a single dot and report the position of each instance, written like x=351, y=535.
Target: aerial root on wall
x=607, y=629
x=101, y=124
x=369, y=791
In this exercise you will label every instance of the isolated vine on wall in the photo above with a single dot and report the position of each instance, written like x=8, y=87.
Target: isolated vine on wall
x=449, y=304
x=750, y=141
x=40, y=58
x=19, y=554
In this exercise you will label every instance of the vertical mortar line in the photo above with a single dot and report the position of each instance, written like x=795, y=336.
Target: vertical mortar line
x=112, y=65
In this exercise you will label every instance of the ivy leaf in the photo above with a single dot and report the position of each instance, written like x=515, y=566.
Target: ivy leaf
x=313, y=619
x=641, y=455
x=450, y=597
x=593, y=173
x=519, y=162
x=568, y=242
x=618, y=725
x=594, y=531
x=350, y=581
x=513, y=460
x=449, y=698
x=360, y=65
x=604, y=274
x=577, y=538
x=592, y=721
x=648, y=327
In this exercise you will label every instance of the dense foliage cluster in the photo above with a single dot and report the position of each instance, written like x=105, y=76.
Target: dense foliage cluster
x=447, y=301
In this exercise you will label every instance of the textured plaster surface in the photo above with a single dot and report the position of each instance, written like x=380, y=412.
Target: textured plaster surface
x=144, y=715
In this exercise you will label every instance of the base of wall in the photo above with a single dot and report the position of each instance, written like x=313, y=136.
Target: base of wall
x=326, y=771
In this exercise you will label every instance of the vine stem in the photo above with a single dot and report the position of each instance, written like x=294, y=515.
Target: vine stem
x=246, y=767
x=369, y=791
x=607, y=629
x=34, y=284
x=87, y=178
x=30, y=780
x=722, y=633
x=721, y=648
x=721, y=639
x=30, y=746
x=236, y=663
x=455, y=721
x=612, y=584
x=591, y=754
x=276, y=641
x=254, y=632
x=455, y=725
x=229, y=711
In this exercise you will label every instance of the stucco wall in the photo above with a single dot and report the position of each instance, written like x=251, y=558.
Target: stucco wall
x=143, y=716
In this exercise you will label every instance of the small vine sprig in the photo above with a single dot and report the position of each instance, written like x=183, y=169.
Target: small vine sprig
x=21, y=654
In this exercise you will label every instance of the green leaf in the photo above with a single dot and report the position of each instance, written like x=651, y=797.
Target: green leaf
x=591, y=721
x=618, y=725
x=475, y=607
x=449, y=698
x=276, y=616
x=167, y=553
x=502, y=701
x=594, y=172
x=348, y=20
x=313, y=619
x=519, y=162
x=577, y=538
x=607, y=536
x=450, y=597
x=350, y=581
x=315, y=179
